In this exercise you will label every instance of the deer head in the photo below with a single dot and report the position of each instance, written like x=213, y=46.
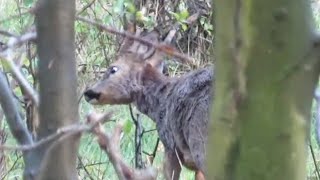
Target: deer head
x=123, y=77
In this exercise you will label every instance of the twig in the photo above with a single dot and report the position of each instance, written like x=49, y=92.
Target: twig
x=6, y=54
x=110, y=144
x=138, y=133
x=8, y=34
x=86, y=7
x=29, y=11
x=148, y=131
x=314, y=161
x=23, y=82
x=12, y=114
x=93, y=164
x=164, y=48
x=154, y=153
x=317, y=98
x=11, y=168
x=61, y=133
x=85, y=168
x=19, y=40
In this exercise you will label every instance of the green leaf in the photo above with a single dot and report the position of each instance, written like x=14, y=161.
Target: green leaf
x=130, y=7
x=28, y=3
x=139, y=15
x=26, y=62
x=184, y=27
x=5, y=65
x=127, y=126
x=184, y=14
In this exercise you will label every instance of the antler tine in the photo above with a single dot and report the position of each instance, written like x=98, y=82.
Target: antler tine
x=131, y=28
x=167, y=40
x=135, y=46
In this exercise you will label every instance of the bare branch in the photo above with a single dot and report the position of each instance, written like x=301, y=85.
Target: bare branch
x=110, y=144
x=6, y=33
x=13, y=117
x=7, y=55
x=23, y=82
x=61, y=133
x=19, y=40
x=162, y=47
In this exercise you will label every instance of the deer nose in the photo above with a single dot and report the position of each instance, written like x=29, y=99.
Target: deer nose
x=90, y=95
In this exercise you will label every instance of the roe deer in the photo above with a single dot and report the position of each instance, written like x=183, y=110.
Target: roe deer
x=178, y=106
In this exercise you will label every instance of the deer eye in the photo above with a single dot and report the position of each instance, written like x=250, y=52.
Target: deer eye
x=113, y=69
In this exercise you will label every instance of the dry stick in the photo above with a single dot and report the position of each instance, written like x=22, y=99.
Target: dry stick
x=164, y=48
x=110, y=144
x=62, y=133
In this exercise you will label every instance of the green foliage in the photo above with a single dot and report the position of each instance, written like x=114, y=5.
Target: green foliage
x=181, y=17
x=28, y=3
x=208, y=27
x=95, y=50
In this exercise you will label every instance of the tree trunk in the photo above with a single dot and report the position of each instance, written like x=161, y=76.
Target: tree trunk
x=58, y=83
x=266, y=74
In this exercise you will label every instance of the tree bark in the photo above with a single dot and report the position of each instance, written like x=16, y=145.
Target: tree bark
x=266, y=73
x=58, y=83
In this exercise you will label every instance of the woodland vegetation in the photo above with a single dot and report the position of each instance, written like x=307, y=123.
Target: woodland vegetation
x=265, y=114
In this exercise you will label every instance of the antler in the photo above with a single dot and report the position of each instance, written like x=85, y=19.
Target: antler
x=142, y=49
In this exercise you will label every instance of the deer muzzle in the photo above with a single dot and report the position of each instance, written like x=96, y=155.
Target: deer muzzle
x=91, y=96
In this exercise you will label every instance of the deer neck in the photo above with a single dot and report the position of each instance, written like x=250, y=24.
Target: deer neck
x=151, y=100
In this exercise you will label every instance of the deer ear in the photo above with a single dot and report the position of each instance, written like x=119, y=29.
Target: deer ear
x=157, y=61
x=150, y=75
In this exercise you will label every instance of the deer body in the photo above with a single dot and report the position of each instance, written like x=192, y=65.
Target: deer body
x=180, y=109
x=178, y=106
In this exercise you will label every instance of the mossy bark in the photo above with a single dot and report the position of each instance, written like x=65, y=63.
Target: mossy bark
x=266, y=73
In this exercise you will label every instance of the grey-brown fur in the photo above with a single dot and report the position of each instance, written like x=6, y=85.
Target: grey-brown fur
x=179, y=106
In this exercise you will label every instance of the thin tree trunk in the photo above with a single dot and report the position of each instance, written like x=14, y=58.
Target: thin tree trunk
x=266, y=74
x=58, y=83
